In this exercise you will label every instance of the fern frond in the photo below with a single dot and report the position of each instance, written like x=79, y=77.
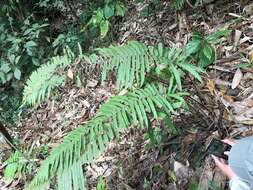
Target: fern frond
x=44, y=79
x=14, y=165
x=175, y=62
x=177, y=4
x=131, y=61
x=87, y=142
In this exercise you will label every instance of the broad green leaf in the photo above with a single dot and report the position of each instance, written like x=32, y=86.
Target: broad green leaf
x=208, y=51
x=120, y=9
x=145, y=11
x=5, y=68
x=108, y=10
x=197, y=36
x=30, y=44
x=104, y=27
x=214, y=186
x=244, y=65
x=17, y=59
x=17, y=74
x=2, y=77
x=203, y=59
x=97, y=18
x=192, y=47
x=215, y=37
x=169, y=123
x=11, y=58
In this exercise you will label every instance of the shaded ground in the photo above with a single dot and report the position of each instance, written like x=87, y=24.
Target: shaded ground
x=215, y=109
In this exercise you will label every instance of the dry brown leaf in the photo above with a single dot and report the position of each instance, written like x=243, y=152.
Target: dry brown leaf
x=226, y=114
x=228, y=98
x=70, y=74
x=240, y=111
x=211, y=86
x=251, y=56
x=92, y=83
x=237, y=37
x=237, y=78
x=250, y=48
x=248, y=10
x=183, y=173
x=189, y=139
x=245, y=39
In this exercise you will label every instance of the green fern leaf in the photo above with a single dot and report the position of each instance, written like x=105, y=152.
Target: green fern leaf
x=43, y=80
x=131, y=62
x=87, y=142
x=191, y=69
x=177, y=4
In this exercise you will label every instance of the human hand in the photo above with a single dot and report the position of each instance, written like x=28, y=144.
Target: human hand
x=225, y=168
x=221, y=164
x=229, y=141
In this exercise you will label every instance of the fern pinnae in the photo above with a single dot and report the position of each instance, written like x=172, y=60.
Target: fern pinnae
x=131, y=62
x=85, y=143
x=39, y=85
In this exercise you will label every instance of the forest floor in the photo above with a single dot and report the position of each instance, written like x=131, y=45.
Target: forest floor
x=221, y=106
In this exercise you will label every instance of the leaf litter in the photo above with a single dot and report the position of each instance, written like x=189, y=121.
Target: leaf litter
x=221, y=106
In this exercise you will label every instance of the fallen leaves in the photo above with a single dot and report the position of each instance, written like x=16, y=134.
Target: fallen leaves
x=92, y=83
x=240, y=111
x=182, y=172
x=211, y=86
x=70, y=74
x=237, y=37
x=248, y=10
x=251, y=56
x=237, y=78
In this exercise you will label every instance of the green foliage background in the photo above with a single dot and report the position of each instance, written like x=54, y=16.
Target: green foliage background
x=31, y=32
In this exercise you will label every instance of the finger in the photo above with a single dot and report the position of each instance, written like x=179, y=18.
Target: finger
x=219, y=162
x=229, y=141
x=216, y=160
x=226, y=153
x=222, y=161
